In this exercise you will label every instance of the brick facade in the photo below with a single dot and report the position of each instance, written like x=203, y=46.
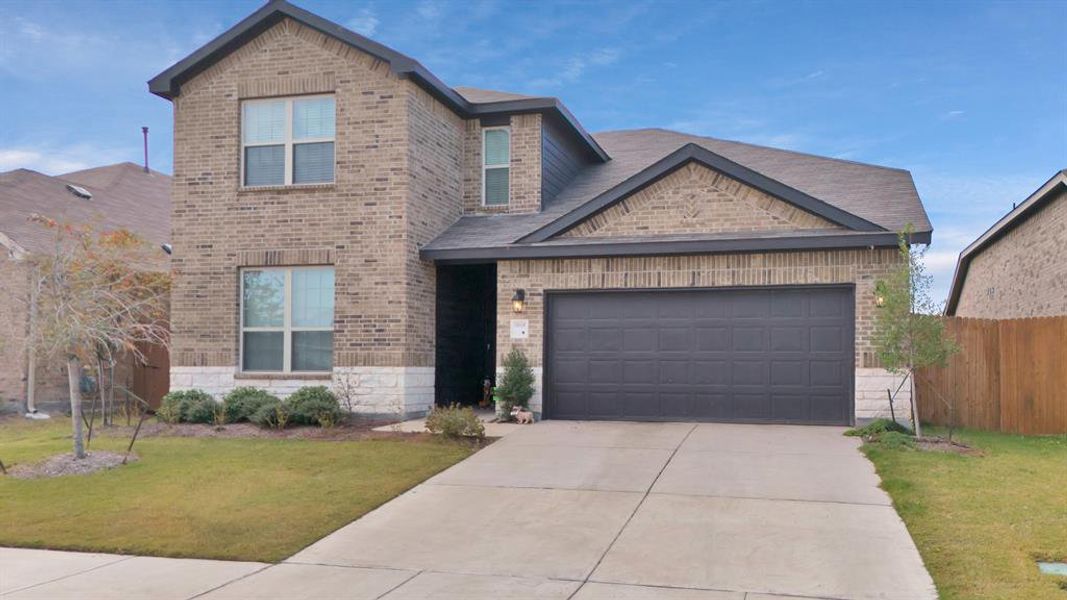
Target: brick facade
x=696, y=199
x=861, y=268
x=398, y=183
x=1024, y=273
x=525, y=167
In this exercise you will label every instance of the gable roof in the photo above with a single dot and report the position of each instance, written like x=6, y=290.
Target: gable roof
x=864, y=198
x=123, y=196
x=1054, y=188
x=479, y=103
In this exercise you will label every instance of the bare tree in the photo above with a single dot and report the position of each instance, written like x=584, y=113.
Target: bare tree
x=99, y=296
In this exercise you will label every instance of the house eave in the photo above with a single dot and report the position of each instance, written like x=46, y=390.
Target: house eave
x=668, y=247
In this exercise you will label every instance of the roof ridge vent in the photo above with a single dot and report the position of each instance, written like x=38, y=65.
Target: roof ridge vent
x=79, y=191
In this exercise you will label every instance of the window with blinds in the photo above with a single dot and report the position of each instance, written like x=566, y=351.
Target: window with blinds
x=286, y=141
x=287, y=319
x=496, y=166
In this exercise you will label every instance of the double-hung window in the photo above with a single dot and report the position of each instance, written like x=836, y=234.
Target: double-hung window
x=287, y=319
x=496, y=166
x=286, y=141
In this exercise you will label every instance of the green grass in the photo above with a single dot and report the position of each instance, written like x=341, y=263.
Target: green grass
x=981, y=521
x=240, y=499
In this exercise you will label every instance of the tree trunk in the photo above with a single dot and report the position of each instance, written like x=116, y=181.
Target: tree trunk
x=914, y=405
x=31, y=358
x=74, y=371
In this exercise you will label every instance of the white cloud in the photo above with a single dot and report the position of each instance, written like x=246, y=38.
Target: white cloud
x=430, y=10
x=365, y=22
x=54, y=161
x=951, y=115
x=576, y=66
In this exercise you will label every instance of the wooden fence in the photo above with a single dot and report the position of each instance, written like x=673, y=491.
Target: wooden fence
x=1010, y=375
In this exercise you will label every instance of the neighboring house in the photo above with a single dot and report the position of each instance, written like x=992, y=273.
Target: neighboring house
x=1017, y=268
x=342, y=214
x=115, y=196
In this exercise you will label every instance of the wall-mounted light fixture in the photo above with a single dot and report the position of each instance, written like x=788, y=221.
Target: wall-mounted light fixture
x=879, y=295
x=518, y=301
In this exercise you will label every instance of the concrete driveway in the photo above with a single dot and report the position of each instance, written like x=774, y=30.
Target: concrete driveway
x=575, y=510
x=640, y=510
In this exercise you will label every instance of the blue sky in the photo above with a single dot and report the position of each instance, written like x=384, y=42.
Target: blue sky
x=971, y=97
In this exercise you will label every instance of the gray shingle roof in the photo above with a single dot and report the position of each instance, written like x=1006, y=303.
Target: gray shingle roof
x=480, y=96
x=881, y=195
x=123, y=196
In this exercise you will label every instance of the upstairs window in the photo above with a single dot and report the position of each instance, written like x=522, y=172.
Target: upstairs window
x=287, y=141
x=287, y=319
x=496, y=166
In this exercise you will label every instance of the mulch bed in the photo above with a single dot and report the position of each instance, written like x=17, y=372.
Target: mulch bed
x=359, y=430
x=65, y=464
x=935, y=444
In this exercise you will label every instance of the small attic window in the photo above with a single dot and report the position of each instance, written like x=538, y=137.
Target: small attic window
x=79, y=191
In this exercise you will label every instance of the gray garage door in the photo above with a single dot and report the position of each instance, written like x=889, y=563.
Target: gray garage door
x=774, y=355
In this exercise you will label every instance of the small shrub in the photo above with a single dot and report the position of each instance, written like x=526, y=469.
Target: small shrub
x=187, y=406
x=201, y=410
x=878, y=427
x=243, y=402
x=893, y=439
x=271, y=415
x=454, y=422
x=515, y=387
x=314, y=405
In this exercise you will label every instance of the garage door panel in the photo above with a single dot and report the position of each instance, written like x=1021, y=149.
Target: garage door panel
x=748, y=372
x=750, y=304
x=790, y=407
x=674, y=371
x=605, y=371
x=826, y=373
x=710, y=372
x=602, y=338
x=748, y=339
x=789, y=338
x=638, y=339
x=763, y=355
x=789, y=373
x=716, y=338
x=827, y=339
x=674, y=339
x=788, y=304
x=570, y=338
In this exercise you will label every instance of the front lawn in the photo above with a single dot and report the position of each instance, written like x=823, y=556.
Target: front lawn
x=981, y=521
x=240, y=499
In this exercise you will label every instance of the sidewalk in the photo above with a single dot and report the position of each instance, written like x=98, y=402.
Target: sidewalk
x=57, y=575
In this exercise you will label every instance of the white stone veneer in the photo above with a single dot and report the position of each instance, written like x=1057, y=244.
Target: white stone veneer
x=382, y=391
x=409, y=391
x=872, y=402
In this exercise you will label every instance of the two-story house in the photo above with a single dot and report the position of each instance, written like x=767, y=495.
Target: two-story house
x=341, y=213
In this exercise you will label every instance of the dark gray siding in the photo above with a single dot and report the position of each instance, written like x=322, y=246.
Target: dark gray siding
x=561, y=158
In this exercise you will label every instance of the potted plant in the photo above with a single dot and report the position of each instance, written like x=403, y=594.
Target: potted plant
x=516, y=385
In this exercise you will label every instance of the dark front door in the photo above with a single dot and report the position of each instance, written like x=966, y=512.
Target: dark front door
x=771, y=355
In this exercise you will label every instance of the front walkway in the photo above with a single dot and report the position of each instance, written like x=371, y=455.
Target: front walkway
x=584, y=511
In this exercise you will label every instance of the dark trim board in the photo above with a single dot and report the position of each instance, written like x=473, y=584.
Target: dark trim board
x=654, y=247
x=546, y=347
